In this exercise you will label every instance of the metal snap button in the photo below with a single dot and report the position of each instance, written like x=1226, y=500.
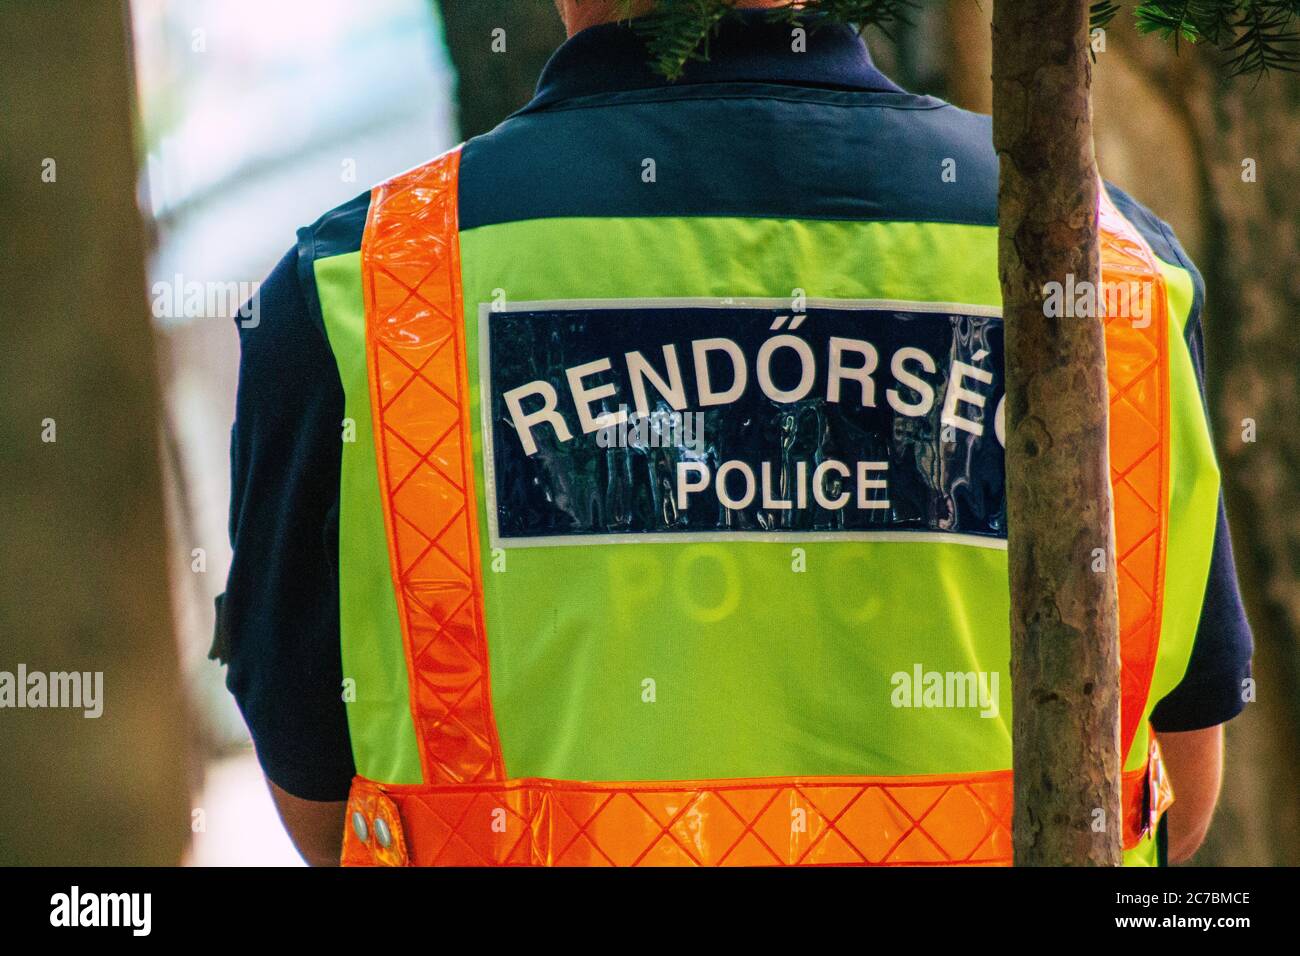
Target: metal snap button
x=383, y=836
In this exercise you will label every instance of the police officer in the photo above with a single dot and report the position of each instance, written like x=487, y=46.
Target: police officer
x=625, y=486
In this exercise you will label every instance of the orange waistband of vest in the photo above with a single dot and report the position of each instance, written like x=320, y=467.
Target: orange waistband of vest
x=946, y=820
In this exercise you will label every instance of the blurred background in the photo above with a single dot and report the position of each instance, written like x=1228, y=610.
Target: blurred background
x=256, y=118
x=252, y=118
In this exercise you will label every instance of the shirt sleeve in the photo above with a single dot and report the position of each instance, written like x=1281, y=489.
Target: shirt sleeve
x=280, y=614
x=1210, y=692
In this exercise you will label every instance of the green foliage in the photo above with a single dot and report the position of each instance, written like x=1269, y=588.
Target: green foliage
x=1266, y=39
x=1255, y=36
x=1191, y=20
x=678, y=31
x=1101, y=13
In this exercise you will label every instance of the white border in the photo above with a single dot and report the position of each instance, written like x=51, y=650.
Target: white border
x=486, y=309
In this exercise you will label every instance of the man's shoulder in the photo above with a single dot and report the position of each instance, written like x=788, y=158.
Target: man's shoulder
x=338, y=232
x=1158, y=234
x=711, y=118
x=744, y=150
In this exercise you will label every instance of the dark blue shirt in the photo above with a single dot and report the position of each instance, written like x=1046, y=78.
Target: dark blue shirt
x=279, y=620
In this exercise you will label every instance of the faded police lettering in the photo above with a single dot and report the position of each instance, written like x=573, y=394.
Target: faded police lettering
x=638, y=420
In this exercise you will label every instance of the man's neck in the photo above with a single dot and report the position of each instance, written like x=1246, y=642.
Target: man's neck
x=580, y=14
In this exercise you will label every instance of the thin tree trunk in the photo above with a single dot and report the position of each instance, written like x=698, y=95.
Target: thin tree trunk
x=83, y=582
x=1064, y=624
x=493, y=83
x=967, y=54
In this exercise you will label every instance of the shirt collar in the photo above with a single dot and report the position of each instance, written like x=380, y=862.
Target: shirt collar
x=748, y=49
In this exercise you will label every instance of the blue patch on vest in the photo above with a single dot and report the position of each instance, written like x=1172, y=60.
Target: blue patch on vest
x=640, y=420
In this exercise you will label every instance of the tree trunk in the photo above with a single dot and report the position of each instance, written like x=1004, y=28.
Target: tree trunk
x=492, y=84
x=968, y=55
x=83, y=582
x=1064, y=623
x=1171, y=112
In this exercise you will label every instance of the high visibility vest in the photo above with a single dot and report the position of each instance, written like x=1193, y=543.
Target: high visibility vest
x=640, y=698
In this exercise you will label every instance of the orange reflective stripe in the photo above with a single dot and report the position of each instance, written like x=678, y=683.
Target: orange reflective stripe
x=912, y=821
x=1137, y=367
x=770, y=821
x=419, y=391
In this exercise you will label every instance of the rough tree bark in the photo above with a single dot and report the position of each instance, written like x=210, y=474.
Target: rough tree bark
x=1064, y=624
x=83, y=582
